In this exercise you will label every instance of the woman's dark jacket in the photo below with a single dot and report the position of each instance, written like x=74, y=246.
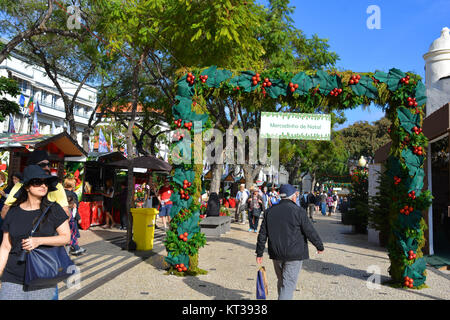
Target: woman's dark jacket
x=288, y=229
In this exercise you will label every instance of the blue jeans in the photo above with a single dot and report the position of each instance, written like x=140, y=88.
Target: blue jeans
x=287, y=273
x=324, y=208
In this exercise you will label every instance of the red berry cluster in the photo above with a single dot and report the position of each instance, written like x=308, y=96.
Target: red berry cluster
x=178, y=123
x=267, y=83
x=355, y=79
x=184, y=194
x=293, y=86
x=412, y=102
x=335, y=92
x=183, y=236
x=405, y=80
x=186, y=184
x=411, y=255
x=418, y=150
x=397, y=180
x=255, y=79
x=417, y=130
x=188, y=125
x=190, y=78
x=180, y=267
x=412, y=195
x=406, y=210
x=408, y=282
x=203, y=78
x=236, y=88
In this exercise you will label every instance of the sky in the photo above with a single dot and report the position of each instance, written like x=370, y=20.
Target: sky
x=407, y=29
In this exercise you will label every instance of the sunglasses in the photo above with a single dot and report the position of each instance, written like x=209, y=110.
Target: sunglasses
x=44, y=164
x=38, y=182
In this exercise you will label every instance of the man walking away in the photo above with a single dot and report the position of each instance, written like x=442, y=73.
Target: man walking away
x=311, y=205
x=288, y=228
x=242, y=197
x=323, y=203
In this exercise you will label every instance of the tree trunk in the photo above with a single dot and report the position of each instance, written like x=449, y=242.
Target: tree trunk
x=250, y=174
x=217, y=170
x=129, y=136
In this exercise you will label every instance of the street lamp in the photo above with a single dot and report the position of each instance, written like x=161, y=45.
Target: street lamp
x=362, y=162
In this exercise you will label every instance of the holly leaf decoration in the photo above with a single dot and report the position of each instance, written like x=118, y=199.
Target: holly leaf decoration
x=325, y=81
x=411, y=221
x=216, y=76
x=243, y=81
x=407, y=244
x=365, y=87
x=416, y=271
x=190, y=226
x=178, y=259
x=392, y=79
x=182, y=110
x=413, y=162
x=421, y=94
x=407, y=119
x=277, y=88
x=180, y=175
x=305, y=83
x=416, y=183
x=184, y=89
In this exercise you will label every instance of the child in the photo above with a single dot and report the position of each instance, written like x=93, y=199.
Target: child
x=75, y=249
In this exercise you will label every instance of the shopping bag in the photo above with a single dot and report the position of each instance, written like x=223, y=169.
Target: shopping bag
x=261, y=284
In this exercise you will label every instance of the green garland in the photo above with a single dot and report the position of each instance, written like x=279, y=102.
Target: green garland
x=401, y=95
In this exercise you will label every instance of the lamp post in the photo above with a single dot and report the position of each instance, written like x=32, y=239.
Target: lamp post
x=362, y=162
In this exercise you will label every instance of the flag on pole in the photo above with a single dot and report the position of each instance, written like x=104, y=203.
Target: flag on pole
x=22, y=101
x=38, y=108
x=11, y=128
x=102, y=144
x=35, y=124
x=90, y=145
x=111, y=147
x=53, y=128
x=30, y=106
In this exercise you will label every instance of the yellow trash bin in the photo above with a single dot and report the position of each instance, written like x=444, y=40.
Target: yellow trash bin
x=144, y=227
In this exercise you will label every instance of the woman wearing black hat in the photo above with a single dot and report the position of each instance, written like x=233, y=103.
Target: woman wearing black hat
x=53, y=231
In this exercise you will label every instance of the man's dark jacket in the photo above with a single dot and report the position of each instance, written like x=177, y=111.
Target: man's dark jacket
x=288, y=229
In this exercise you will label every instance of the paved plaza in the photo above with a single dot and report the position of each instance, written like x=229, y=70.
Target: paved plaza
x=341, y=272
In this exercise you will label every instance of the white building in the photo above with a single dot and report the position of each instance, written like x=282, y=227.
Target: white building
x=34, y=82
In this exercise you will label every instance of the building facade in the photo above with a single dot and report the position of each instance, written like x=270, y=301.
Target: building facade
x=35, y=84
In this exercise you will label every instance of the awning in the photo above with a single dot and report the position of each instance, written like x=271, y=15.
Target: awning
x=146, y=162
x=59, y=143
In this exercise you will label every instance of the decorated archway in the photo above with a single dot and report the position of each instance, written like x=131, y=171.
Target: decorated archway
x=403, y=97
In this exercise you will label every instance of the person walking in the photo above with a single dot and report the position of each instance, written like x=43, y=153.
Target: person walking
x=323, y=203
x=241, y=196
x=335, y=201
x=274, y=197
x=311, y=200
x=54, y=230
x=256, y=206
x=108, y=204
x=75, y=218
x=164, y=194
x=287, y=228
x=330, y=204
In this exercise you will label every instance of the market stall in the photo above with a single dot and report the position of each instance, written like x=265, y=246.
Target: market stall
x=59, y=147
x=96, y=172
